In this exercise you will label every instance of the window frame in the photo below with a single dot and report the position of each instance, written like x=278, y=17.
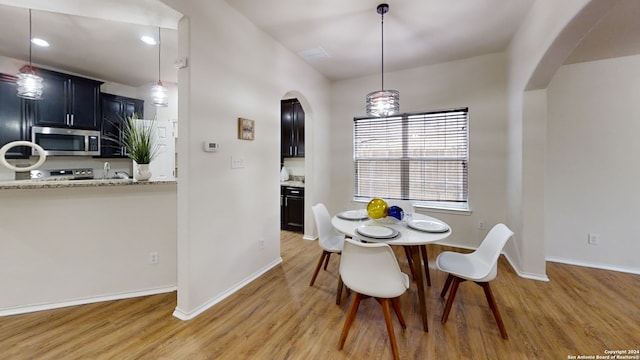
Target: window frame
x=405, y=160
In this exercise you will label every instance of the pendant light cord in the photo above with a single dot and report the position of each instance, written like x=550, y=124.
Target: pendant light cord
x=30, y=37
x=159, y=45
x=382, y=41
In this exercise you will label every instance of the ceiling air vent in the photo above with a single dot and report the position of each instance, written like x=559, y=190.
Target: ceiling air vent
x=313, y=54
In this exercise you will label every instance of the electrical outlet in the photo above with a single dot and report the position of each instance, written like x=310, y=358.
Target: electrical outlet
x=593, y=239
x=261, y=243
x=153, y=258
x=481, y=225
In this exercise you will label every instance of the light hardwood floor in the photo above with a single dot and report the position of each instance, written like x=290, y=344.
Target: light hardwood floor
x=581, y=311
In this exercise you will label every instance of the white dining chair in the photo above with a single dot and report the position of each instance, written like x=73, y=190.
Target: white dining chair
x=371, y=270
x=330, y=241
x=408, y=207
x=480, y=266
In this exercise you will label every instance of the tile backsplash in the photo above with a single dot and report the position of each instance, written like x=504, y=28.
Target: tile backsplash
x=71, y=162
x=295, y=166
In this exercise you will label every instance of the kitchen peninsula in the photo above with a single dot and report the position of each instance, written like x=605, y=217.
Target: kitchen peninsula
x=65, y=243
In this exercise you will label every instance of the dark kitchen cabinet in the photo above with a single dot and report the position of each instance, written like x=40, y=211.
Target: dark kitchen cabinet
x=13, y=126
x=68, y=101
x=291, y=128
x=114, y=110
x=292, y=208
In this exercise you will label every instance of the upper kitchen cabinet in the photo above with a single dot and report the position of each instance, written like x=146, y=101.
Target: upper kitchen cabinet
x=292, y=128
x=68, y=101
x=12, y=124
x=115, y=109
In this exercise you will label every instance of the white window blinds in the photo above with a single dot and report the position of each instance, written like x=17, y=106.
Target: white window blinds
x=421, y=157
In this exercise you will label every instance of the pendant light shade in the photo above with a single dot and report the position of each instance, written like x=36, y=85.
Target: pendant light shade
x=159, y=92
x=383, y=102
x=29, y=85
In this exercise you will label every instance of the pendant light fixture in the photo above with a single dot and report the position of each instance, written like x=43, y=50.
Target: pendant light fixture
x=159, y=92
x=383, y=102
x=29, y=85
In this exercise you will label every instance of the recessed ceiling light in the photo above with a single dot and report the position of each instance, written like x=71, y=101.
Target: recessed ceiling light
x=148, y=40
x=40, y=42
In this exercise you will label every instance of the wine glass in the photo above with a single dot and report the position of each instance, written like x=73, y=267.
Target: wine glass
x=408, y=217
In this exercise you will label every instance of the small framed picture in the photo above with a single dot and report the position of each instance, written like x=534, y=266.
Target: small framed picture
x=246, y=129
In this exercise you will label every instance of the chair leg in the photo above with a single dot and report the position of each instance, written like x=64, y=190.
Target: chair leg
x=407, y=252
x=339, y=292
x=353, y=308
x=396, y=308
x=445, y=288
x=425, y=258
x=452, y=295
x=326, y=260
x=315, y=273
x=387, y=320
x=494, y=308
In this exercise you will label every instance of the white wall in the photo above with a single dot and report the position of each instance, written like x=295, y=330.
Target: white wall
x=593, y=171
x=235, y=70
x=63, y=246
x=534, y=115
x=478, y=83
x=119, y=89
x=546, y=37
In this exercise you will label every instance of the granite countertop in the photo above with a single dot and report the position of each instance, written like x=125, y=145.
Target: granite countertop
x=40, y=184
x=294, y=180
x=294, y=183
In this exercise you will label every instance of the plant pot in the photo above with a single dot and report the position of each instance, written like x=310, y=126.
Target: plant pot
x=141, y=172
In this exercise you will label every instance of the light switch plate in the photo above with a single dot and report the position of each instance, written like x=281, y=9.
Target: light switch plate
x=237, y=162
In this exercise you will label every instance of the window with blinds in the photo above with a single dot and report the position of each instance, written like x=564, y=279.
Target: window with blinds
x=421, y=157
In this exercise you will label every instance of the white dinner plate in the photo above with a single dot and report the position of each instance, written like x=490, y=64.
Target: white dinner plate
x=353, y=215
x=377, y=231
x=428, y=226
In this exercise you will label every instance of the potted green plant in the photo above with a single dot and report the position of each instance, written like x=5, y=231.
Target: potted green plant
x=138, y=141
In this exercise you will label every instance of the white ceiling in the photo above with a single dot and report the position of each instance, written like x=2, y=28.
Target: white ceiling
x=102, y=40
x=617, y=34
x=416, y=32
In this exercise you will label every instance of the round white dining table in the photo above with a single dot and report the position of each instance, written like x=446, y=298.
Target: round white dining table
x=408, y=237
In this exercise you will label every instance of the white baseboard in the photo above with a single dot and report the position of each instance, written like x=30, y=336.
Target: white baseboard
x=188, y=315
x=444, y=243
x=544, y=277
x=514, y=265
x=623, y=269
x=524, y=274
x=91, y=300
x=309, y=237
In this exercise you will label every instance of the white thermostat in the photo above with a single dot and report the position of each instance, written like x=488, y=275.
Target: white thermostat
x=210, y=146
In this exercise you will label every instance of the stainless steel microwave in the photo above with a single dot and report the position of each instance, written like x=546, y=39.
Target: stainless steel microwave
x=65, y=141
